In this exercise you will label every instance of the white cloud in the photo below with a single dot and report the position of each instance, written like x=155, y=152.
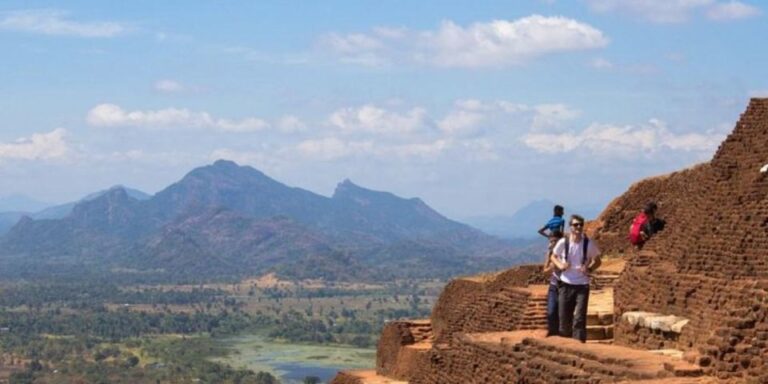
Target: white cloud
x=39, y=146
x=291, y=124
x=471, y=117
x=461, y=122
x=498, y=43
x=372, y=119
x=675, y=11
x=553, y=115
x=607, y=139
x=55, y=23
x=110, y=115
x=169, y=86
x=732, y=10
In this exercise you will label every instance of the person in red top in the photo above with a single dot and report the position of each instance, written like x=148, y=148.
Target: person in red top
x=645, y=225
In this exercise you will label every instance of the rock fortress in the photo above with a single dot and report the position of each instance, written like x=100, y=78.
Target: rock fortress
x=691, y=307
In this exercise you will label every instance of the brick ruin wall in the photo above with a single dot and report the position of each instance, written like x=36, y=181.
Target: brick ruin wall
x=395, y=356
x=710, y=265
x=468, y=305
x=711, y=261
x=471, y=360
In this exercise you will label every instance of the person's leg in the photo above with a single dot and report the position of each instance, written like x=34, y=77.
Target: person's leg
x=580, y=318
x=553, y=317
x=565, y=306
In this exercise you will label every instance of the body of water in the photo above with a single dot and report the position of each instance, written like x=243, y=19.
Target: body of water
x=293, y=362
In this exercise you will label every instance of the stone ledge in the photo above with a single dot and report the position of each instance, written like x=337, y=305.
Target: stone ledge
x=655, y=321
x=611, y=360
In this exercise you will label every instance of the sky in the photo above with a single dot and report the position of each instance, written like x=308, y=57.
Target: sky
x=476, y=107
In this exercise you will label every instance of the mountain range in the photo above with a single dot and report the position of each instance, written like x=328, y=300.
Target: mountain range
x=225, y=220
x=36, y=210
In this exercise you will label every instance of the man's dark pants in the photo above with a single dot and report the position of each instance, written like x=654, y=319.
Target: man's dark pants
x=553, y=315
x=572, y=305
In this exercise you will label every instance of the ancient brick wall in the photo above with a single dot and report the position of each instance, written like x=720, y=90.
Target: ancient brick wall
x=484, y=305
x=494, y=358
x=402, y=348
x=710, y=264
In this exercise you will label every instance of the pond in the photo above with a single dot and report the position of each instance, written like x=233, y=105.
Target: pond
x=293, y=362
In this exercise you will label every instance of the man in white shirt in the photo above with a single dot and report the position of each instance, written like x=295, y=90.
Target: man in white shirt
x=577, y=257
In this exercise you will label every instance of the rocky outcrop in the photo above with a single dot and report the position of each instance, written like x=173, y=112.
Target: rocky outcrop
x=692, y=307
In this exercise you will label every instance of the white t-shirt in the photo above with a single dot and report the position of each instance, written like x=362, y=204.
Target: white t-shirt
x=573, y=275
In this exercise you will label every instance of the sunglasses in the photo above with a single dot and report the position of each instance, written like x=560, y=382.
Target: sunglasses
x=579, y=225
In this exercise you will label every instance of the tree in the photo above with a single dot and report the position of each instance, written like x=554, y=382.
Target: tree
x=311, y=380
x=131, y=361
x=265, y=378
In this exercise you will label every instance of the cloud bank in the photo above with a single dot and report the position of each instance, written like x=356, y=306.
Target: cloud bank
x=497, y=43
x=39, y=146
x=111, y=115
x=616, y=140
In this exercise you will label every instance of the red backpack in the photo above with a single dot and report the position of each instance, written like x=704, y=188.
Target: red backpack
x=635, y=236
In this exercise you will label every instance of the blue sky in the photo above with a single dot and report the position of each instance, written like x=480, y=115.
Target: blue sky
x=476, y=107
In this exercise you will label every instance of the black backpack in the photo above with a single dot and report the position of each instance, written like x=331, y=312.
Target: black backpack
x=585, y=240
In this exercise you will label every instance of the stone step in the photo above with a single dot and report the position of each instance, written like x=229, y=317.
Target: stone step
x=599, y=332
x=562, y=359
x=363, y=377
x=604, y=280
x=599, y=318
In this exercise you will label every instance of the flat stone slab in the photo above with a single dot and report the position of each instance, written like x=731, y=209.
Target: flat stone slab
x=601, y=302
x=668, y=352
x=655, y=321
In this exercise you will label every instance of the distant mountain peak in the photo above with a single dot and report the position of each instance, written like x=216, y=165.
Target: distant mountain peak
x=346, y=186
x=229, y=169
x=224, y=163
x=134, y=193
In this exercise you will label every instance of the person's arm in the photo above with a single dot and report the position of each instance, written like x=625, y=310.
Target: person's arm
x=595, y=260
x=557, y=251
x=561, y=265
x=548, y=265
x=595, y=263
x=647, y=229
x=541, y=231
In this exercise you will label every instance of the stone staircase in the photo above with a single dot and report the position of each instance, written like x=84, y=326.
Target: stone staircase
x=603, y=280
x=535, y=313
x=528, y=356
x=524, y=354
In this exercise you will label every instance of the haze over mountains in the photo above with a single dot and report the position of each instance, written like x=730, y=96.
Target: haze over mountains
x=16, y=207
x=527, y=220
x=230, y=220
